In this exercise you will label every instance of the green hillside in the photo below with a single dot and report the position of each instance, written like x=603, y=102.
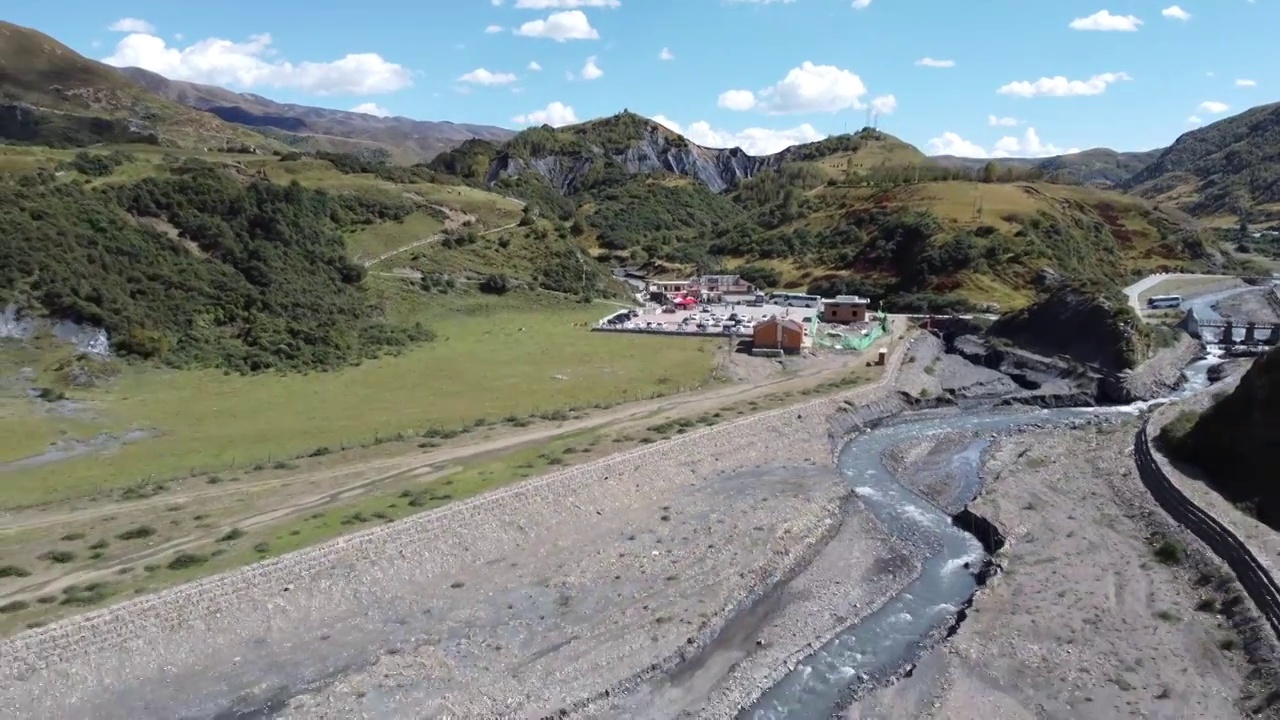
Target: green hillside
x=254, y=276
x=864, y=213
x=51, y=95
x=1223, y=172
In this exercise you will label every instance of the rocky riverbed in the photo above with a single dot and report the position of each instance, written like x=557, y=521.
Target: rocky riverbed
x=1085, y=620
x=683, y=578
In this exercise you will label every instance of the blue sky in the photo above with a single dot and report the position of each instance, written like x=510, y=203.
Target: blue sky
x=1012, y=77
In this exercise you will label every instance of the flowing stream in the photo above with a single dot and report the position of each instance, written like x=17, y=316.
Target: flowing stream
x=892, y=636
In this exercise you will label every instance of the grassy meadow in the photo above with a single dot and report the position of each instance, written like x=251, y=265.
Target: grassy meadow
x=521, y=354
x=516, y=356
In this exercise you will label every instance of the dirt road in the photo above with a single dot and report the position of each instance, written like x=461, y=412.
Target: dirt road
x=454, y=219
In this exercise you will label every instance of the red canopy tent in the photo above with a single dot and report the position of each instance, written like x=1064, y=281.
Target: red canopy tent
x=686, y=301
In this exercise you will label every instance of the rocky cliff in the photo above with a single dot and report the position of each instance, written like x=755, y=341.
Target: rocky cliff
x=1096, y=328
x=654, y=151
x=579, y=156
x=645, y=147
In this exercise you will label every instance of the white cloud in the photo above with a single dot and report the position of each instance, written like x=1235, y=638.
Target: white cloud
x=561, y=26
x=565, y=4
x=884, y=104
x=861, y=4
x=1246, y=83
x=1059, y=86
x=950, y=143
x=481, y=76
x=132, y=25
x=590, y=70
x=1213, y=107
x=251, y=64
x=994, y=121
x=534, y=66
x=1176, y=13
x=555, y=114
x=666, y=55
x=812, y=88
x=495, y=3
x=1029, y=145
x=930, y=62
x=736, y=100
x=1104, y=21
x=371, y=109
x=756, y=140
x=1195, y=120
x=493, y=29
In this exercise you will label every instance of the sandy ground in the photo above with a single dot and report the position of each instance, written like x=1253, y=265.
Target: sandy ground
x=1084, y=623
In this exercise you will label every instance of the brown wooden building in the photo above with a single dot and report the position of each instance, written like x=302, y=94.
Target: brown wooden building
x=777, y=333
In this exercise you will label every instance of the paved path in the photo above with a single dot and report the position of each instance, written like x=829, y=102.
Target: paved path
x=1135, y=290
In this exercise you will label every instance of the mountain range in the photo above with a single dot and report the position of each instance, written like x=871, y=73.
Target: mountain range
x=49, y=94
x=319, y=129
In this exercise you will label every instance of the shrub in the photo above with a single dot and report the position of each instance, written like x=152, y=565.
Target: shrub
x=187, y=560
x=137, y=533
x=60, y=557
x=14, y=571
x=1170, y=552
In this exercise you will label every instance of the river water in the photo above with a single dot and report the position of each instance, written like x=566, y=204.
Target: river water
x=889, y=638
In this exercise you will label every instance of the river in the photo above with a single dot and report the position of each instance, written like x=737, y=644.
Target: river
x=890, y=638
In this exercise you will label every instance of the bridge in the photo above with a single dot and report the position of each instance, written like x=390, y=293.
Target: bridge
x=1230, y=333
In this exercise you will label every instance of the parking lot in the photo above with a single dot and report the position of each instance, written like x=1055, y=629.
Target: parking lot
x=701, y=319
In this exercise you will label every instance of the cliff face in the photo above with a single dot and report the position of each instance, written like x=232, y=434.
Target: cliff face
x=655, y=151
x=1234, y=443
x=1093, y=328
